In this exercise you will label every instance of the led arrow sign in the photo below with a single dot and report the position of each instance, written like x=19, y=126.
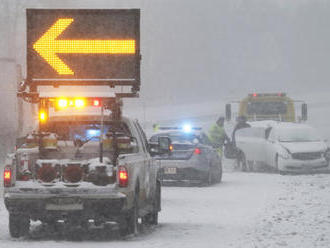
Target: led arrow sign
x=83, y=46
x=48, y=47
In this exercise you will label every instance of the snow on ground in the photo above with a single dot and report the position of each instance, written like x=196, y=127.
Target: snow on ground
x=300, y=217
x=246, y=210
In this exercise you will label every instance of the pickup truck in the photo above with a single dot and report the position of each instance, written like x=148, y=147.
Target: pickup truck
x=59, y=174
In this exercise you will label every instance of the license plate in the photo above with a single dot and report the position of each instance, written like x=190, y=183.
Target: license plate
x=63, y=204
x=170, y=170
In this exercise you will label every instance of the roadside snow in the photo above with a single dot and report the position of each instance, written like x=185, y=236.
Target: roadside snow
x=246, y=210
x=298, y=218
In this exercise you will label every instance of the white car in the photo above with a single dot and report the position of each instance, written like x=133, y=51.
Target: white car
x=286, y=147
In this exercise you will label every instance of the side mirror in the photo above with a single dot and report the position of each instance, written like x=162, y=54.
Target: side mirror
x=304, y=112
x=163, y=146
x=228, y=112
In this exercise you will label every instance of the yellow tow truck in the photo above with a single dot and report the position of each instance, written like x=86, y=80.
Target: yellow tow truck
x=268, y=106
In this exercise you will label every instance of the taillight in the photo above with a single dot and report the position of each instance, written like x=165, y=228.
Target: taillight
x=122, y=176
x=7, y=176
x=197, y=151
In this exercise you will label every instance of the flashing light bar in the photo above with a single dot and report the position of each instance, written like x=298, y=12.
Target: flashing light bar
x=79, y=103
x=266, y=94
x=187, y=128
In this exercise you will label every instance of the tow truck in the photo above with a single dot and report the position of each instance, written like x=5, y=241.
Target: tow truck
x=81, y=167
x=84, y=164
x=268, y=106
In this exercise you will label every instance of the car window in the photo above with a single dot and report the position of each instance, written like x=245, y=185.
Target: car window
x=177, y=137
x=256, y=132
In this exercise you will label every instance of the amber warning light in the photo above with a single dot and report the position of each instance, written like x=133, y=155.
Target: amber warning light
x=42, y=116
x=78, y=103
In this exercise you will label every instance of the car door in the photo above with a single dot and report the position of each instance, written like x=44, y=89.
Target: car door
x=252, y=142
x=210, y=152
x=243, y=141
x=258, y=143
x=271, y=148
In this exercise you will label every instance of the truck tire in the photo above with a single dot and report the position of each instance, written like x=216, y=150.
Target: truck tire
x=19, y=225
x=152, y=218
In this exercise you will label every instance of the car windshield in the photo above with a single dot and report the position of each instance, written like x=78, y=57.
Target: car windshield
x=267, y=108
x=85, y=135
x=84, y=130
x=177, y=137
x=298, y=135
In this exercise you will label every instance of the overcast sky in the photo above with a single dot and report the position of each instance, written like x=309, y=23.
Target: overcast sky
x=207, y=51
x=202, y=50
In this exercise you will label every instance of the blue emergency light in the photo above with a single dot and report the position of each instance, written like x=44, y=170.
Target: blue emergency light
x=187, y=128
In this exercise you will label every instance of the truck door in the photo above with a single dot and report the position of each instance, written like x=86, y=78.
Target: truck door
x=148, y=183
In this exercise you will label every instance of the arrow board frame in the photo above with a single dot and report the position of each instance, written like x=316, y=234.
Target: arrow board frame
x=83, y=47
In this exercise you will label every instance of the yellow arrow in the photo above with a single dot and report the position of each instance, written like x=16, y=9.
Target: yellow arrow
x=48, y=47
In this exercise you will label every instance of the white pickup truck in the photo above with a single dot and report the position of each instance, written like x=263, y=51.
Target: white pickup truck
x=58, y=174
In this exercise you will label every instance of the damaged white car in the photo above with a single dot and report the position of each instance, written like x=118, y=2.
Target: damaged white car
x=285, y=147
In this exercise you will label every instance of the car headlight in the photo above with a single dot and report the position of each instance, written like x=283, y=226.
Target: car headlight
x=284, y=153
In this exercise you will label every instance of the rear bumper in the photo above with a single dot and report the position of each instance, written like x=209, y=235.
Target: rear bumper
x=303, y=166
x=183, y=173
x=45, y=205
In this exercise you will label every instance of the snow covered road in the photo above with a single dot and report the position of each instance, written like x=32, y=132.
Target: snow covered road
x=246, y=210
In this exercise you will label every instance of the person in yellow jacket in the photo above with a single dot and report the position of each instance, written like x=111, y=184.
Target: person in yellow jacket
x=218, y=136
x=155, y=127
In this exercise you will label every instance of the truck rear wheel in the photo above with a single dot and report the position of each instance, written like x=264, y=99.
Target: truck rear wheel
x=19, y=225
x=130, y=225
x=152, y=218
